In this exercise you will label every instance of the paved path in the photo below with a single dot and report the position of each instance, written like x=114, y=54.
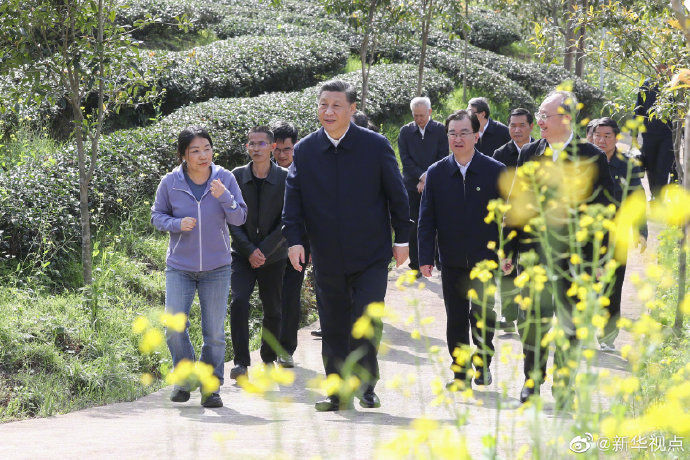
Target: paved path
x=251, y=426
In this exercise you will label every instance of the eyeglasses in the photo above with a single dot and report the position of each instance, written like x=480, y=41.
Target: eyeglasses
x=541, y=116
x=453, y=134
x=261, y=144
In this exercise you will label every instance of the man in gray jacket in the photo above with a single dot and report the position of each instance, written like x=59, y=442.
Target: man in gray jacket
x=258, y=249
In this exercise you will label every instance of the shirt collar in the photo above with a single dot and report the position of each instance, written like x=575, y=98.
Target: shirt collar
x=463, y=169
x=335, y=142
x=422, y=130
x=486, y=126
x=557, y=152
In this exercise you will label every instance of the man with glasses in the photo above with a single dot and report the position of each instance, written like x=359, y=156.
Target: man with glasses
x=421, y=143
x=492, y=134
x=344, y=187
x=558, y=145
x=454, y=207
x=258, y=249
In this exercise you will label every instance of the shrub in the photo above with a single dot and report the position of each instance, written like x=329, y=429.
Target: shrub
x=492, y=30
x=39, y=202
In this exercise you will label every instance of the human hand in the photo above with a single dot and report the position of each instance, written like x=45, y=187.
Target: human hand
x=401, y=253
x=257, y=258
x=420, y=186
x=217, y=188
x=296, y=256
x=426, y=270
x=187, y=224
x=507, y=266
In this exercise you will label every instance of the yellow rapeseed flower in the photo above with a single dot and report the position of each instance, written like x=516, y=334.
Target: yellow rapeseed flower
x=140, y=324
x=150, y=341
x=363, y=328
x=176, y=322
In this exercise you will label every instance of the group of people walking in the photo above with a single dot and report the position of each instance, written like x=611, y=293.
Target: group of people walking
x=337, y=198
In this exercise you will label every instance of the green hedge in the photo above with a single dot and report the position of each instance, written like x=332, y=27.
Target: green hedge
x=39, y=202
x=492, y=30
x=246, y=66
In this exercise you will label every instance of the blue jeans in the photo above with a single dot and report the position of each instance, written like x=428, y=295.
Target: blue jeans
x=213, y=287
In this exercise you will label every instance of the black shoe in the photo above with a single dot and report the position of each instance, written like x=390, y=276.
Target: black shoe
x=484, y=378
x=211, y=400
x=457, y=384
x=286, y=361
x=317, y=333
x=369, y=400
x=526, y=392
x=179, y=395
x=332, y=403
x=237, y=371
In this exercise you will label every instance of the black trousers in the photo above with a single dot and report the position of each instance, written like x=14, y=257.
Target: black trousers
x=342, y=299
x=614, y=308
x=414, y=199
x=291, y=305
x=242, y=281
x=658, y=159
x=463, y=315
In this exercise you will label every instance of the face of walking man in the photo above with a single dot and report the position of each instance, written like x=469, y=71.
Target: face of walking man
x=520, y=129
x=421, y=115
x=553, y=122
x=461, y=138
x=335, y=112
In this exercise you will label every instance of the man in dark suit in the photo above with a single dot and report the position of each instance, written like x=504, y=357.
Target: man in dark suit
x=420, y=144
x=558, y=145
x=454, y=206
x=520, y=124
x=345, y=188
x=258, y=249
x=626, y=174
x=492, y=134
x=657, y=140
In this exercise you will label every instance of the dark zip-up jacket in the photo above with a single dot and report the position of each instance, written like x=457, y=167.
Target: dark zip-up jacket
x=262, y=228
x=454, y=209
x=417, y=153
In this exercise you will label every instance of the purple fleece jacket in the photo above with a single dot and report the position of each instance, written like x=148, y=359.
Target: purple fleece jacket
x=207, y=245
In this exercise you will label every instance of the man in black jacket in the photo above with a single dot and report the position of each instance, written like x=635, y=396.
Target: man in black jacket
x=520, y=124
x=345, y=188
x=258, y=249
x=492, y=133
x=454, y=206
x=657, y=140
x=420, y=144
x=558, y=145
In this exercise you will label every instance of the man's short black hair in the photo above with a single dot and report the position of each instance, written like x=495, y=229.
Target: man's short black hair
x=461, y=115
x=611, y=123
x=339, y=86
x=262, y=129
x=480, y=104
x=372, y=127
x=520, y=112
x=186, y=137
x=360, y=119
x=284, y=130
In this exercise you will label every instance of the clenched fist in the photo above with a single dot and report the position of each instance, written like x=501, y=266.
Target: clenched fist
x=217, y=188
x=188, y=223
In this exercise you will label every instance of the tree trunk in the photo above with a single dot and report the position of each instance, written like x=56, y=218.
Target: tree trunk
x=364, y=53
x=84, y=211
x=580, y=47
x=426, y=23
x=682, y=255
x=569, y=44
x=465, y=52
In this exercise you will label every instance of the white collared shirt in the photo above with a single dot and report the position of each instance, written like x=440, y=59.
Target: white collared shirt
x=481, y=131
x=422, y=129
x=463, y=169
x=518, y=147
x=557, y=153
x=335, y=142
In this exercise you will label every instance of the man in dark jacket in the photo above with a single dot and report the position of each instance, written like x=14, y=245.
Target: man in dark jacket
x=657, y=140
x=626, y=174
x=345, y=188
x=258, y=249
x=520, y=124
x=454, y=207
x=558, y=145
x=420, y=144
x=492, y=134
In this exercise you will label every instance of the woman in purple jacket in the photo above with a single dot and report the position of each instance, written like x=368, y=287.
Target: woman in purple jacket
x=195, y=203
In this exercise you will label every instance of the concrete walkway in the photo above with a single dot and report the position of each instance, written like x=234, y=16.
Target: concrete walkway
x=285, y=420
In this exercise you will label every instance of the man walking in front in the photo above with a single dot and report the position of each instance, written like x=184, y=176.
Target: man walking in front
x=258, y=249
x=454, y=206
x=345, y=188
x=420, y=144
